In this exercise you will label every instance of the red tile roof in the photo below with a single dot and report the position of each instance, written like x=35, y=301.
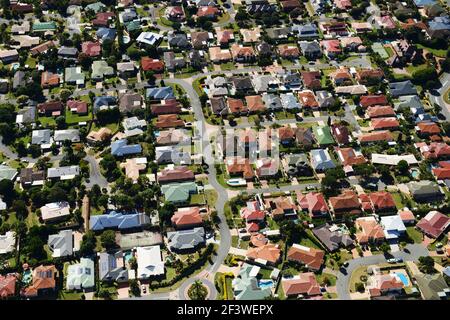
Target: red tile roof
x=373, y=100
x=380, y=111
x=305, y=284
x=7, y=285
x=382, y=200
x=314, y=202
x=385, y=123
x=311, y=257
x=376, y=136
x=80, y=107
x=441, y=173
x=184, y=217
x=434, y=224
x=311, y=79
x=236, y=105
x=347, y=201
x=268, y=252
x=149, y=64
x=428, y=128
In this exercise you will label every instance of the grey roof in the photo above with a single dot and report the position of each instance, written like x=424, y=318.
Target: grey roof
x=7, y=172
x=130, y=101
x=186, y=239
x=402, y=88
x=68, y=51
x=432, y=286
x=289, y=101
x=73, y=135
x=161, y=93
x=26, y=115
x=111, y=267
x=272, y=101
x=423, y=188
x=262, y=82
x=63, y=172
x=410, y=102
x=308, y=30
x=61, y=244
x=332, y=240
x=173, y=62
x=178, y=40
x=171, y=154
x=277, y=33
x=18, y=79
x=309, y=47
x=41, y=136
x=321, y=160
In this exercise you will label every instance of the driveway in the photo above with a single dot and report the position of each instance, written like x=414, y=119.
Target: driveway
x=343, y=280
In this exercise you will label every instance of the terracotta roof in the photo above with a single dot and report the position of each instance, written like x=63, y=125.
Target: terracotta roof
x=369, y=230
x=366, y=205
x=373, y=100
x=180, y=173
x=187, y=217
x=311, y=257
x=255, y=103
x=311, y=79
x=380, y=111
x=239, y=51
x=149, y=64
x=50, y=106
x=349, y=156
x=258, y=240
x=331, y=45
x=49, y=79
x=236, y=105
x=383, y=283
x=102, y=18
x=169, y=121
x=280, y=205
x=7, y=285
x=385, y=123
x=286, y=133
x=77, y=106
x=382, y=200
x=207, y=11
x=224, y=36
x=268, y=252
x=314, y=202
x=307, y=99
x=168, y=106
x=252, y=215
x=288, y=51
x=348, y=200
x=406, y=215
x=441, y=173
x=44, y=277
x=252, y=227
x=363, y=76
x=376, y=136
x=428, y=128
x=304, y=283
x=239, y=166
x=434, y=150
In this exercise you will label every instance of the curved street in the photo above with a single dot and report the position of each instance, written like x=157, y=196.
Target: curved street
x=343, y=280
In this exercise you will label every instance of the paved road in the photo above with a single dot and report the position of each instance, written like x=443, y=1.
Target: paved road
x=343, y=280
x=445, y=81
x=95, y=176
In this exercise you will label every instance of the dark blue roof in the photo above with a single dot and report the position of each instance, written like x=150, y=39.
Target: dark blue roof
x=106, y=33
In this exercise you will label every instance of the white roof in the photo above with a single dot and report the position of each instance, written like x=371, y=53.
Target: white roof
x=7, y=242
x=149, y=261
x=392, y=225
x=55, y=210
x=393, y=159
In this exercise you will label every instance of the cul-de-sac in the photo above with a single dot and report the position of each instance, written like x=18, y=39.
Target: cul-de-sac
x=224, y=150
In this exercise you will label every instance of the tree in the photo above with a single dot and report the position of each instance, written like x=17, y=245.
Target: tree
x=88, y=243
x=20, y=208
x=104, y=294
x=385, y=247
x=426, y=264
x=197, y=291
x=108, y=239
x=359, y=286
x=402, y=167
x=134, y=288
x=60, y=122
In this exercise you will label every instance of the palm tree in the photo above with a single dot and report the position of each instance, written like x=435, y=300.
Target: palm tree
x=197, y=291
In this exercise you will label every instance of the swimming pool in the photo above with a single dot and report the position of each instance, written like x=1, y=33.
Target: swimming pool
x=402, y=278
x=236, y=182
x=127, y=256
x=27, y=276
x=264, y=284
x=415, y=173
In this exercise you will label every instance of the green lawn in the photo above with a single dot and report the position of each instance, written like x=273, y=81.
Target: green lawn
x=227, y=66
x=47, y=121
x=414, y=234
x=73, y=118
x=356, y=277
x=437, y=52
x=197, y=199
x=111, y=126
x=31, y=62
x=398, y=200
x=330, y=277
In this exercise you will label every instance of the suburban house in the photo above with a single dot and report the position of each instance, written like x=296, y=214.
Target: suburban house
x=81, y=276
x=186, y=240
x=333, y=237
x=118, y=220
x=310, y=257
x=433, y=224
x=150, y=262
x=304, y=284
x=111, y=267
x=187, y=218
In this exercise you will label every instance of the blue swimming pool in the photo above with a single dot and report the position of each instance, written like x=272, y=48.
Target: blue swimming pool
x=264, y=284
x=127, y=256
x=403, y=278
